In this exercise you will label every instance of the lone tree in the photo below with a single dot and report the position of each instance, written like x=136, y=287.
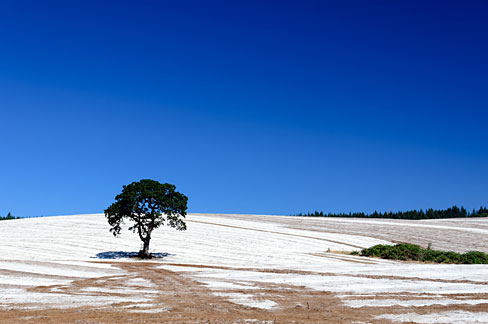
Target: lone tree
x=147, y=204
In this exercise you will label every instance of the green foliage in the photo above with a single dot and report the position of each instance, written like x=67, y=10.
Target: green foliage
x=412, y=252
x=475, y=257
x=147, y=204
x=453, y=212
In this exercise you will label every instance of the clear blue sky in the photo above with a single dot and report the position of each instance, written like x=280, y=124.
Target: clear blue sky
x=247, y=107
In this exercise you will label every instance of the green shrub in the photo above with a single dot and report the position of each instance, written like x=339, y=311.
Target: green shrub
x=475, y=257
x=412, y=252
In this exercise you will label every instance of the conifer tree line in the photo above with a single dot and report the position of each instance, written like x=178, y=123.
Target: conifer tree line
x=9, y=216
x=453, y=212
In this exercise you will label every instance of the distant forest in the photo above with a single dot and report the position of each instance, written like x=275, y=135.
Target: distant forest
x=9, y=216
x=453, y=212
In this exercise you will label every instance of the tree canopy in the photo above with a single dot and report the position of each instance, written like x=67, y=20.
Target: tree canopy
x=147, y=204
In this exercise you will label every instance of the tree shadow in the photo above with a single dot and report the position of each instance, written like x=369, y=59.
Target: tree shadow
x=124, y=255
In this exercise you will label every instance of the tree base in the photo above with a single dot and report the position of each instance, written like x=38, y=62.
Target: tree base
x=143, y=255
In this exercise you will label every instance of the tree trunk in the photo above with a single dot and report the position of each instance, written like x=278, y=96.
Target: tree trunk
x=144, y=253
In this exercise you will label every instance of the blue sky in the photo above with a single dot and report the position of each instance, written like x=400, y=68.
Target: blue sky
x=247, y=107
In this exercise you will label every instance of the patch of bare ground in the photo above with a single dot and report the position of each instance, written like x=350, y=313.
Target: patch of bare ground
x=177, y=299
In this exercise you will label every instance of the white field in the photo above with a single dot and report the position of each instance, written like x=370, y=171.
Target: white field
x=236, y=256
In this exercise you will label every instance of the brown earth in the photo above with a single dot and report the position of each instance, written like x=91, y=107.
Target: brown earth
x=182, y=300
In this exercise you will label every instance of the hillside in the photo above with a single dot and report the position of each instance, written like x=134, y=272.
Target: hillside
x=238, y=269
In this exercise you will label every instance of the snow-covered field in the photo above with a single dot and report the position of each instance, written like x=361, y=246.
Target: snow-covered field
x=260, y=263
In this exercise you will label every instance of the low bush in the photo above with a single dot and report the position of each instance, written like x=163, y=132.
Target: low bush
x=412, y=252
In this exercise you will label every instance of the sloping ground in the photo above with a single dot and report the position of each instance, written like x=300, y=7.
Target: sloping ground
x=238, y=269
